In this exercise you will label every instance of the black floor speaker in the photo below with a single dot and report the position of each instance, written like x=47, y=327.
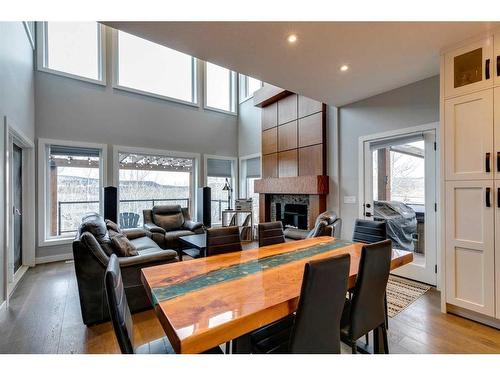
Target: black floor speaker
x=111, y=203
x=204, y=211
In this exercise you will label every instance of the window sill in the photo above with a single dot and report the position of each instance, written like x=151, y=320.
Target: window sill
x=56, y=241
x=73, y=76
x=220, y=111
x=246, y=99
x=153, y=95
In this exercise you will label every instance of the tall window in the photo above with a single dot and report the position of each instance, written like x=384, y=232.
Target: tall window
x=73, y=185
x=220, y=88
x=151, y=68
x=250, y=171
x=248, y=86
x=218, y=172
x=149, y=180
x=72, y=48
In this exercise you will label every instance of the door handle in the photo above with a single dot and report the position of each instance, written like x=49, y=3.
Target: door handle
x=368, y=214
x=487, y=69
x=488, y=194
x=498, y=197
x=487, y=166
x=17, y=211
x=498, y=161
x=498, y=65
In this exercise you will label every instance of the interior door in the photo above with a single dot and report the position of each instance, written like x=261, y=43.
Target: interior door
x=469, y=228
x=496, y=129
x=400, y=188
x=497, y=248
x=17, y=204
x=468, y=137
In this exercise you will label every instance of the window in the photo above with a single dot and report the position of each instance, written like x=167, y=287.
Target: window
x=249, y=172
x=248, y=86
x=73, y=49
x=218, y=172
x=149, y=180
x=73, y=184
x=220, y=88
x=151, y=68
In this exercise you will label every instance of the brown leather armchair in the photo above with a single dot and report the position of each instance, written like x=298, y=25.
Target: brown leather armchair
x=168, y=223
x=327, y=224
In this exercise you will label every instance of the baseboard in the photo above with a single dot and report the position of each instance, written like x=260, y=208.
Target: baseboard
x=53, y=258
x=3, y=306
x=471, y=315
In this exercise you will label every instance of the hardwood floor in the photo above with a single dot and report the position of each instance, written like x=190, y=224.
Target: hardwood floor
x=44, y=317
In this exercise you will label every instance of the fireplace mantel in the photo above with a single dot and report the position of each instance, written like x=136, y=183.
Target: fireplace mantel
x=293, y=185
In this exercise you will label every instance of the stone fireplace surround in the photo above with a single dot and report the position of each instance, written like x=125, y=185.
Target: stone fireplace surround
x=284, y=199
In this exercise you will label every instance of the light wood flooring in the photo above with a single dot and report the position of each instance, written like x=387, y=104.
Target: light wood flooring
x=44, y=317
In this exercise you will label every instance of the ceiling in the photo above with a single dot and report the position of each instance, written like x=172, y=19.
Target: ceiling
x=381, y=55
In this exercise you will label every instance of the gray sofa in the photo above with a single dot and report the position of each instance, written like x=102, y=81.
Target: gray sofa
x=92, y=248
x=168, y=223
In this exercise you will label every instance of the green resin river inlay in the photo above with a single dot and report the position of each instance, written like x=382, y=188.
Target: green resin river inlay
x=238, y=271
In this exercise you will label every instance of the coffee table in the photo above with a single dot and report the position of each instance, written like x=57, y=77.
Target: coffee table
x=195, y=245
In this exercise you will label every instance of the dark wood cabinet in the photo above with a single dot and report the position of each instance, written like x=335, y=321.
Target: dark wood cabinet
x=269, y=141
x=287, y=136
x=287, y=109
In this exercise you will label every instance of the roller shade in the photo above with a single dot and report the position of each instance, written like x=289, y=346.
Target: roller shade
x=219, y=168
x=253, y=167
x=74, y=151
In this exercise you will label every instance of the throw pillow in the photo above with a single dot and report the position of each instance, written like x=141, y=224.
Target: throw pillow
x=111, y=225
x=122, y=246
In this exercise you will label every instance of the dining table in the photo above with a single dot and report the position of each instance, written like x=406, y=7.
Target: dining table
x=206, y=302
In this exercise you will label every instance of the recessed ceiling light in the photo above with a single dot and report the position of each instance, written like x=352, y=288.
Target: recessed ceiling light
x=292, y=38
x=344, y=68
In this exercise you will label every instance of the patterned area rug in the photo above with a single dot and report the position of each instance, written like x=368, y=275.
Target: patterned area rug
x=401, y=293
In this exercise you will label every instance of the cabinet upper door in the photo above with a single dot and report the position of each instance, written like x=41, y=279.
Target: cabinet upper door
x=497, y=248
x=470, y=252
x=469, y=136
x=496, y=59
x=468, y=69
x=496, y=131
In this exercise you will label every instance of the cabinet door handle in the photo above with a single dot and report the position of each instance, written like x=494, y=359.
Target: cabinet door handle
x=498, y=161
x=487, y=166
x=488, y=194
x=487, y=69
x=498, y=65
x=498, y=197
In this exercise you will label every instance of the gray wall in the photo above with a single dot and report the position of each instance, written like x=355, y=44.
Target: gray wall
x=249, y=129
x=70, y=109
x=16, y=102
x=407, y=106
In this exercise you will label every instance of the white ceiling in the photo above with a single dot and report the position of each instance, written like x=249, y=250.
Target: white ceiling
x=381, y=55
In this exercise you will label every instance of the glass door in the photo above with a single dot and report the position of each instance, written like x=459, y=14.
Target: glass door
x=400, y=178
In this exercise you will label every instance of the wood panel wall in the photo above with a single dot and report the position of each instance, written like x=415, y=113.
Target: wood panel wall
x=294, y=137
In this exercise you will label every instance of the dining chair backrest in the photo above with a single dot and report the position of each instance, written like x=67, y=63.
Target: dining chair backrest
x=316, y=328
x=118, y=306
x=369, y=231
x=223, y=240
x=368, y=298
x=271, y=233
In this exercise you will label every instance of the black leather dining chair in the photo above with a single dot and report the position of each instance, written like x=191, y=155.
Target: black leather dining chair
x=369, y=231
x=122, y=319
x=315, y=328
x=223, y=240
x=271, y=233
x=365, y=311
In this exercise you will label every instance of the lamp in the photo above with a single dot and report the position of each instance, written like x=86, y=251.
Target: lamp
x=227, y=187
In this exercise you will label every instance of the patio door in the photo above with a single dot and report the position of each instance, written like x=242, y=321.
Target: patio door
x=399, y=186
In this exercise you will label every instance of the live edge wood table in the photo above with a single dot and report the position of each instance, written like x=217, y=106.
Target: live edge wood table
x=205, y=302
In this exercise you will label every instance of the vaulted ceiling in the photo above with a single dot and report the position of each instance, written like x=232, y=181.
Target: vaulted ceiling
x=381, y=55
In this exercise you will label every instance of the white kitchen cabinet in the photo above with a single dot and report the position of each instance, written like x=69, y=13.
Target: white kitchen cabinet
x=470, y=245
x=469, y=137
x=470, y=68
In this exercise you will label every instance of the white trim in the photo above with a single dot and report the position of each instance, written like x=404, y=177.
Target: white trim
x=441, y=219
x=3, y=307
x=233, y=99
x=240, y=168
x=54, y=258
x=116, y=78
x=43, y=218
x=151, y=151
x=29, y=33
x=41, y=41
x=17, y=278
x=244, y=87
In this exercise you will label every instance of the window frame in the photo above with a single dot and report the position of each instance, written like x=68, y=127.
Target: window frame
x=41, y=55
x=43, y=200
x=116, y=77
x=243, y=88
x=117, y=149
x=233, y=97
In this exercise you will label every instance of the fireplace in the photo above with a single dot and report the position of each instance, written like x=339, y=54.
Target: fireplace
x=295, y=215
x=291, y=209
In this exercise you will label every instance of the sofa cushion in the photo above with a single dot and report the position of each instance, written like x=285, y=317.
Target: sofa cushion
x=149, y=255
x=145, y=242
x=174, y=234
x=111, y=225
x=95, y=225
x=122, y=246
x=168, y=217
